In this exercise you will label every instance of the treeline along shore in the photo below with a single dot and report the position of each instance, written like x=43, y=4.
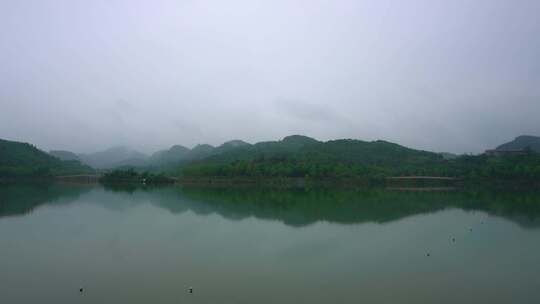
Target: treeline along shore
x=294, y=160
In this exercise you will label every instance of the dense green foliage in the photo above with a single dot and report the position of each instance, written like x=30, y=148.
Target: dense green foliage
x=526, y=167
x=520, y=167
x=302, y=157
x=282, y=167
x=132, y=176
x=24, y=160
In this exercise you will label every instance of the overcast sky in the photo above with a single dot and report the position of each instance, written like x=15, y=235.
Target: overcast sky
x=458, y=76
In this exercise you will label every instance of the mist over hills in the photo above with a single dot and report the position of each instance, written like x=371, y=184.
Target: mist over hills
x=126, y=157
x=290, y=146
x=114, y=157
x=64, y=155
x=521, y=143
x=349, y=149
x=110, y=158
x=358, y=151
x=294, y=150
x=353, y=150
x=174, y=154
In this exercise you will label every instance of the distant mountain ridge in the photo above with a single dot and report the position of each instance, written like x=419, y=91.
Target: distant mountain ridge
x=294, y=146
x=348, y=150
x=174, y=154
x=342, y=150
x=521, y=143
x=117, y=157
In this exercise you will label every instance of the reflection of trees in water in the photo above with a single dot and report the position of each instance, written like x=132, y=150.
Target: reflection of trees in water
x=300, y=207
x=19, y=199
x=296, y=207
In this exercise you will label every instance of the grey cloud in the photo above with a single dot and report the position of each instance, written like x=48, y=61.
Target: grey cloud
x=317, y=113
x=458, y=76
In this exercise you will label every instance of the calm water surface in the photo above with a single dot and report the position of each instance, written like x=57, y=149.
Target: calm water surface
x=266, y=246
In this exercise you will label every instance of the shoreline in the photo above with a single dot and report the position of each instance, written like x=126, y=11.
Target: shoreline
x=399, y=184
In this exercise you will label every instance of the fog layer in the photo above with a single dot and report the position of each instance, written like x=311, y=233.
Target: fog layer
x=457, y=76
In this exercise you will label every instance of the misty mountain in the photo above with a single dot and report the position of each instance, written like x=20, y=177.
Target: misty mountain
x=230, y=145
x=125, y=157
x=293, y=146
x=299, y=140
x=174, y=154
x=178, y=154
x=522, y=142
x=25, y=159
x=200, y=151
x=64, y=155
x=22, y=159
x=114, y=157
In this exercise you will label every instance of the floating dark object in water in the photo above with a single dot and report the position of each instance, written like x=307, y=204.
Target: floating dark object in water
x=80, y=290
x=190, y=290
x=453, y=239
x=428, y=254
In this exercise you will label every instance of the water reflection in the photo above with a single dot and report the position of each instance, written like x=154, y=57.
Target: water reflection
x=21, y=199
x=247, y=245
x=294, y=207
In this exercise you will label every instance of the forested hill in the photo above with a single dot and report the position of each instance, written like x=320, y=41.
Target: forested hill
x=522, y=142
x=293, y=156
x=300, y=156
x=24, y=160
x=342, y=150
x=64, y=155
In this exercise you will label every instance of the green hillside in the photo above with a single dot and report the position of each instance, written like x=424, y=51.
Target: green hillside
x=301, y=156
x=522, y=142
x=64, y=155
x=342, y=150
x=268, y=149
x=293, y=156
x=24, y=160
x=174, y=154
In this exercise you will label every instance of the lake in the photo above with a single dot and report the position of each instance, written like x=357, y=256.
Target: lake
x=253, y=245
